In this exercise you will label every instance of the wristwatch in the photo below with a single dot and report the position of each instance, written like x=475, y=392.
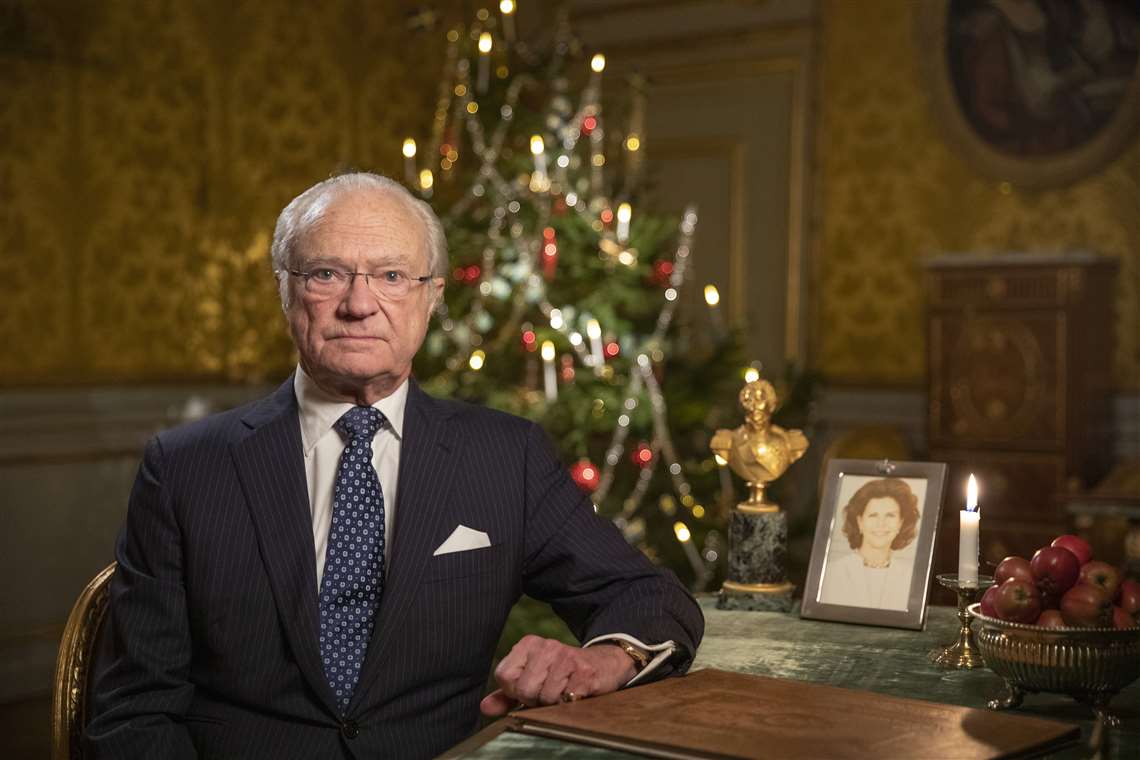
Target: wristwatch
x=640, y=659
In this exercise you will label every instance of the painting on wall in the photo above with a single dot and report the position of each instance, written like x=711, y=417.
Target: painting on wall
x=1038, y=93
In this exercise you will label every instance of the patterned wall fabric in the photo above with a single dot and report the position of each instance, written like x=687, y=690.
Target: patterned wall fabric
x=145, y=149
x=891, y=192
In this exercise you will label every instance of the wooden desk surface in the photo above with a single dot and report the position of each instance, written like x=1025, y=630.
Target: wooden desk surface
x=883, y=660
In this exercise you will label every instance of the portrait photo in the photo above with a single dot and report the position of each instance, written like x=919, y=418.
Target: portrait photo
x=874, y=542
x=871, y=561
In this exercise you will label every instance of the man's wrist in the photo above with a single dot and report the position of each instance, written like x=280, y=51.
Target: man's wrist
x=639, y=657
x=624, y=668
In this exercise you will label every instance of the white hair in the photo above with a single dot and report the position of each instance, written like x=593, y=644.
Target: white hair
x=310, y=206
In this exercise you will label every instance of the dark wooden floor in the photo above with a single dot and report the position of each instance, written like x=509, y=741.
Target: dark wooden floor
x=25, y=729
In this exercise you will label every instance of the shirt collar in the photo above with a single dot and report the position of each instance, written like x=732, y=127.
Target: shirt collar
x=319, y=411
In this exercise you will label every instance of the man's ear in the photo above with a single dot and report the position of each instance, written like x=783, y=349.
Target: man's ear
x=437, y=285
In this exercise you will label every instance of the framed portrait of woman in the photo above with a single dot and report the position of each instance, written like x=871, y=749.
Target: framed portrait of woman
x=874, y=542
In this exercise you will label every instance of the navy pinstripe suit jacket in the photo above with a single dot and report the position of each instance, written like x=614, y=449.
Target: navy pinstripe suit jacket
x=214, y=606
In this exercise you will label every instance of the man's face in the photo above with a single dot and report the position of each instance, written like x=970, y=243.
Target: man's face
x=355, y=341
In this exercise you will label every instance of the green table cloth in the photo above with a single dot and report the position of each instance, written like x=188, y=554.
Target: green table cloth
x=883, y=660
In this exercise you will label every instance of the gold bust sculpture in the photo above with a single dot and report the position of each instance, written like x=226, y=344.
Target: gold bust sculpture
x=759, y=451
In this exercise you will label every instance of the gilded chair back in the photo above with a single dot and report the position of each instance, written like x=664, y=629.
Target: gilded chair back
x=75, y=666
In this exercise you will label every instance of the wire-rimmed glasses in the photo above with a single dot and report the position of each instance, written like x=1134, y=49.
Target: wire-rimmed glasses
x=329, y=281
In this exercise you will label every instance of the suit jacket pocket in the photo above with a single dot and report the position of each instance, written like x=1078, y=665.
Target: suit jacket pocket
x=455, y=565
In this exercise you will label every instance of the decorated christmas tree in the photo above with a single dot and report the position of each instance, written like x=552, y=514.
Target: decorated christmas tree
x=563, y=300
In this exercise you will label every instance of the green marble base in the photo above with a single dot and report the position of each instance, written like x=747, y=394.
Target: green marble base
x=757, y=551
x=757, y=547
x=739, y=600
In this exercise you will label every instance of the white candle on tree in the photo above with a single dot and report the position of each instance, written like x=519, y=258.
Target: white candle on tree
x=409, y=151
x=485, y=45
x=969, y=522
x=549, y=379
x=624, y=214
x=594, y=331
x=539, y=182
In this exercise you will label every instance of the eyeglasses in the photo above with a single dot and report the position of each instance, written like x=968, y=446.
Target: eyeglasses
x=326, y=282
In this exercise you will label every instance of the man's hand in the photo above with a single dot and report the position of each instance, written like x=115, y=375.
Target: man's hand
x=539, y=671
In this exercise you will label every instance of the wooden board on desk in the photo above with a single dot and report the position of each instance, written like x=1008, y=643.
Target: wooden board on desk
x=717, y=714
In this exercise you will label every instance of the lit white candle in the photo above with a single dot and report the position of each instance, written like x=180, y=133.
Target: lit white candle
x=507, y=7
x=410, y=160
x=549, y=379
x=969, y=520
x=594, y=331
x=485, y=44
x=538, y=180
x=624, y=214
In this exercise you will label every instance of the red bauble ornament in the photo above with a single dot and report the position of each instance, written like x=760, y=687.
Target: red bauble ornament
x=585, y=474
x=642, y=456
x=567, y=368
x=469, y=273
x=662, y=273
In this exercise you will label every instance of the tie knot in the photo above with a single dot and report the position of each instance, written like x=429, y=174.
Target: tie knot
x=360, y=421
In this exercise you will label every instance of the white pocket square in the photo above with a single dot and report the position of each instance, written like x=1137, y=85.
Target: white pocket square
x=463, y=539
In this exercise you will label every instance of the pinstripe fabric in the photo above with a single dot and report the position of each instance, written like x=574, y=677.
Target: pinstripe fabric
x=214, y=609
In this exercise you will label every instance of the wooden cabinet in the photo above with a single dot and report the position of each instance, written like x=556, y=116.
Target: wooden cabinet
x=1020, y=380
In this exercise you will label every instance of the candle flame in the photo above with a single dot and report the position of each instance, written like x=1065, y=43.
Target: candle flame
x=485, y=43
x=972, y=494
x=712, y=295
x=682, y=531
x=409, y=148
x=537, y=145
x=598, y=63
x=548, y=350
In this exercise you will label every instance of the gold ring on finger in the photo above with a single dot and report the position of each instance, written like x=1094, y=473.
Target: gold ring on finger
x=569, y=696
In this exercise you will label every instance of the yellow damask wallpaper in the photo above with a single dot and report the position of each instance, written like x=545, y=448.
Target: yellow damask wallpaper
x=145, y=149
x=891, y=191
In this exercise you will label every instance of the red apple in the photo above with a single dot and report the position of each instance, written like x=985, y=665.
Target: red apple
x=1055, y=569
x=1130, y=598
x=987, y=604
x=1051, y=619
x=1087, y=607
x=1121, y=619
x=1017, y=601
x=1013, y=567
x=1101, y=574
x=1076, y=545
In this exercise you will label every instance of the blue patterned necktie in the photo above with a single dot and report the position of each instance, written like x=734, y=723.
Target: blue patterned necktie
x=354, y=558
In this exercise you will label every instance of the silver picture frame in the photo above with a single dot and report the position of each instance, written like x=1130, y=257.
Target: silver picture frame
x=884, y=578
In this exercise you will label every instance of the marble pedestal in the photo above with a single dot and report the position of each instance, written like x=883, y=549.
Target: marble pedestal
x=757, y=557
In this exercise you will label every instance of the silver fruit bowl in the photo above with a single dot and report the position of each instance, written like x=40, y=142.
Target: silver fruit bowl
x=1091, y=665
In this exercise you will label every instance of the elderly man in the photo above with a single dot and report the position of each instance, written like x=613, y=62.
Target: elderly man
x=325, y=573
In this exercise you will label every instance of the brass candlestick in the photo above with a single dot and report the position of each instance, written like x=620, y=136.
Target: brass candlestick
x=963, y=654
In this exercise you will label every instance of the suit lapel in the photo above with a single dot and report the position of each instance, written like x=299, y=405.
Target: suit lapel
x=271, y=468
x=426, y=464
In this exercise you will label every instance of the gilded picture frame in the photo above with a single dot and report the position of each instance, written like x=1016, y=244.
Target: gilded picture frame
x=1035, y=93
x=874, y=540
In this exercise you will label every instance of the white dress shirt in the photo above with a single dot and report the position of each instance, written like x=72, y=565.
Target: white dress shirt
x=323, y=446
